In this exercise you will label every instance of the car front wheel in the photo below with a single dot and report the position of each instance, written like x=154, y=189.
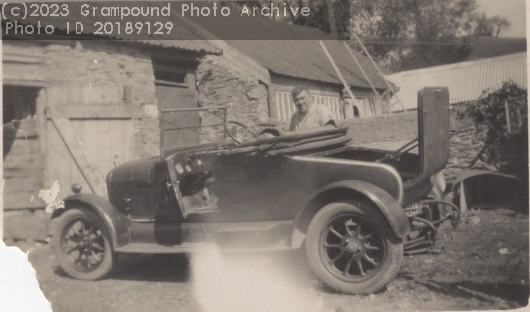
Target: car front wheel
x=352, y=248
x=82, y=244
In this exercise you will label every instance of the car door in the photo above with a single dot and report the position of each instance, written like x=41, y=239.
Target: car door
x=256, y=187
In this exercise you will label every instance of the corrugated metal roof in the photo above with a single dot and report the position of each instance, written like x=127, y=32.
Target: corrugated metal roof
x=306, y=59
x=186, y=40
x=301, y=58
x=465, y=80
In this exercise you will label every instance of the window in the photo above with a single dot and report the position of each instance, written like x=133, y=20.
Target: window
x=355, y=111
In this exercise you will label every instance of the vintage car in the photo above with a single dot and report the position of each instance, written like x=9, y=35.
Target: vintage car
x=354, y=210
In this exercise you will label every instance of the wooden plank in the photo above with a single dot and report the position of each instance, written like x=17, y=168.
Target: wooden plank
x=114, y=149
x=91, y=110
x=23, y=159
x=80, y=155
x=41, y=122
x=14, y=185
x=88, y=94
x=29, y=145
x=60, y=166
x=25, y=225
x=22, y=200
x=22, y=171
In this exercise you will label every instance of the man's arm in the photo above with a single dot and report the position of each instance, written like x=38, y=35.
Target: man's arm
x=325, y=117
x=330, y=125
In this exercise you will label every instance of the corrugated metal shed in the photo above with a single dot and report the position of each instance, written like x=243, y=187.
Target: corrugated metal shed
x=465, y=80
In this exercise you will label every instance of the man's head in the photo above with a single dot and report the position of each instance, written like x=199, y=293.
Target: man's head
x=302, y=98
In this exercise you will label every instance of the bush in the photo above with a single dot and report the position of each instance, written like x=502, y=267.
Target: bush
x=489, y=110
x=507, y=152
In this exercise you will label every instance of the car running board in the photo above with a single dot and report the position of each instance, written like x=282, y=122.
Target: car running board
x=191, y=248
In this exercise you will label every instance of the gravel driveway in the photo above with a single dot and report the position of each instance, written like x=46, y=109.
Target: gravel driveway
x=483, y=264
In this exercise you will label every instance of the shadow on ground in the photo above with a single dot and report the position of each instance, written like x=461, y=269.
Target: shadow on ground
x=485, y=292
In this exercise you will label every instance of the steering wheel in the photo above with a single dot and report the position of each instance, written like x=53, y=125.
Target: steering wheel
x=233, y=136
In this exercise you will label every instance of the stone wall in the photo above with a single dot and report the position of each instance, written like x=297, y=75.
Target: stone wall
x=222, y=83
x=383, y=128
x=466, y=140
x=464, y=146
x=106, y=63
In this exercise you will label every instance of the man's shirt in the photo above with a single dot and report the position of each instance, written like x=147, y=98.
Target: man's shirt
x=316, y=116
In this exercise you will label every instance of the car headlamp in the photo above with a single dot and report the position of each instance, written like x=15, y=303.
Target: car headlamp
x=198, y=164
x=179, y=168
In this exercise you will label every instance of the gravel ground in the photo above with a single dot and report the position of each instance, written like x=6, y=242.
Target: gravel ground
x=483, y=264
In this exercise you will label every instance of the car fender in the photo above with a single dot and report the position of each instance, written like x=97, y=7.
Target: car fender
x=116, y=222
x=388, y=206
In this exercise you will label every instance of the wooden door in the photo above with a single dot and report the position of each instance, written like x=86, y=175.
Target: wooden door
x=175, y=131
x=90, y=131
x=175, y=89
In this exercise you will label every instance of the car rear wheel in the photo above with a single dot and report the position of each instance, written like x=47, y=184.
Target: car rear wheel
x=82, y=244
x=352, y=248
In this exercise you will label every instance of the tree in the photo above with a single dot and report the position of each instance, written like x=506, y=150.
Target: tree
x=410, y=34
x=484, y=27
x=319, y=17
x=500, y=23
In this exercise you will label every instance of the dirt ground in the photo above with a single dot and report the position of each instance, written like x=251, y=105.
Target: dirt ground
x=482, y=265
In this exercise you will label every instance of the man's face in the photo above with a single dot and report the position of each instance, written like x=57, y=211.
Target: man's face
x=303, y=101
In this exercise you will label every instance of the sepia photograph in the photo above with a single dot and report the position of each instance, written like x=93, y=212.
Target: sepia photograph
x=266, y=155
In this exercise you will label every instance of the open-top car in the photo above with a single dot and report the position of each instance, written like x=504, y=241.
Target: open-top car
x=354, y=210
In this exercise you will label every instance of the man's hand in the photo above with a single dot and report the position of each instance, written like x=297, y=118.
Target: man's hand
x=271, y=133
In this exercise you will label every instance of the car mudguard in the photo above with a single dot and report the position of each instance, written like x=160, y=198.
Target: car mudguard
x=116, y=222
x=389, y=206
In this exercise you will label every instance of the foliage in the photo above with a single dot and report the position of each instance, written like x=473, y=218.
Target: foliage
x=500, y=23
x=509, y=152
x=319, y=17
x=410, y=34
x=484, y=27
x=489, y=110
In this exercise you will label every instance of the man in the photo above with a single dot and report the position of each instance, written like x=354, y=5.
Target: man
x=309, y=114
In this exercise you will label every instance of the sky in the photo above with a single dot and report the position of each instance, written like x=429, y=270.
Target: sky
x=513, y=10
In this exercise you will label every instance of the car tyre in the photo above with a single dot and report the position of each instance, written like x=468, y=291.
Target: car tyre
x=352, y=249
x=82, y=245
